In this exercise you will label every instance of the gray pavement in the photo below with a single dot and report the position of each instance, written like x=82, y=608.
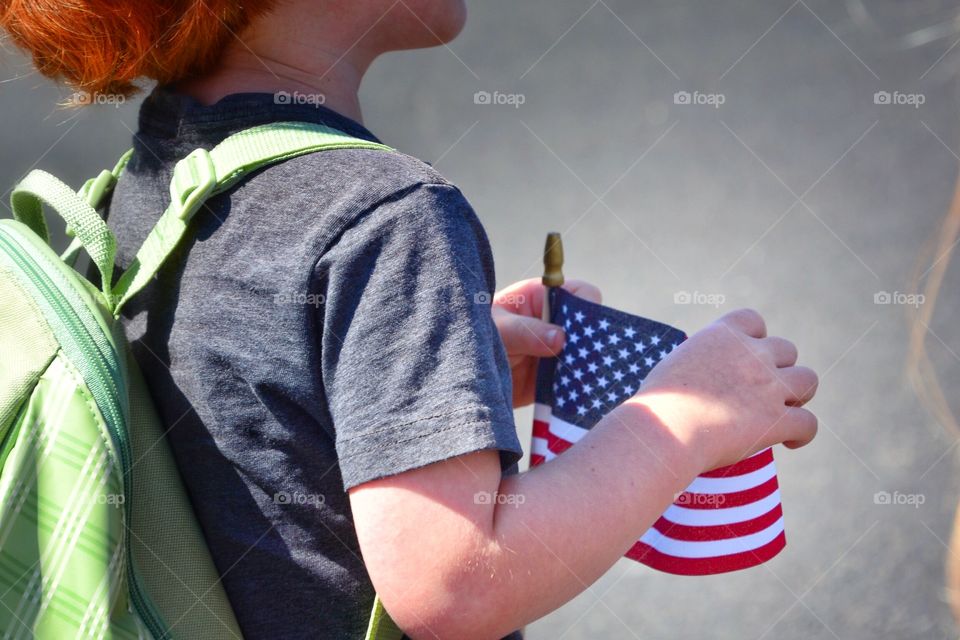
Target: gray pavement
x=799, y=195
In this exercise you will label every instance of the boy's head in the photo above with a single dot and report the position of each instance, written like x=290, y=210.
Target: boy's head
x=104, y=46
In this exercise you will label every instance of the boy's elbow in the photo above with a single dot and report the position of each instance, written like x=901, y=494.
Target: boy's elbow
x=463, y=609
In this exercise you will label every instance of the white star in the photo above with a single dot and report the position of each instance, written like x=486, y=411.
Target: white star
x=629, y=333
x=577, y=374
x=592, y=367
x=614, y=338
x=597, y=345
x=589, y=331
x=602, y=382
x=618, y=376
x=561, y=401
x=624, y=353
x=579, y=316
x=583, y=352
x=581, y=410
x=663, y=354
x=612, y=396
x=649, y=361
x=640, y=347
x=634, y=368
x=573, y=338
x=604, y=324
x=655, y=340
x=573, y=395
x=630, y=390
x=564, y=381
x=596, y=403
x=607, y=361
x=569, y=358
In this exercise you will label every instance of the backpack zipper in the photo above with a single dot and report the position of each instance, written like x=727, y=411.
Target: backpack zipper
x=102, y=382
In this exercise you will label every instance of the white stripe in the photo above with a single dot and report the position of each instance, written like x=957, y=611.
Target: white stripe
x=731, y=515
x=712, y=548
x=542, y=412
x=733, y=484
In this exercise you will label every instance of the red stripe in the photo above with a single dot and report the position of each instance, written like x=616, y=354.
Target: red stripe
x=689, y=500
x=556, y=445
x=719, y=531
x=540, y=429
x=753, y=463
x=536, y=459
x=706, y=566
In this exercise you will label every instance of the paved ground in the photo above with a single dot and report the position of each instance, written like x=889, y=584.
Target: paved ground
x=799, y=195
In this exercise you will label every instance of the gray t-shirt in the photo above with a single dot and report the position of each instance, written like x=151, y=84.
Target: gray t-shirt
x=324, y=323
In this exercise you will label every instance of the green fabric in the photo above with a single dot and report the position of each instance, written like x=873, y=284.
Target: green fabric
x=168, y=549
x=381, y=626
x=27, y=347
x=83, y=221
x=202, y=175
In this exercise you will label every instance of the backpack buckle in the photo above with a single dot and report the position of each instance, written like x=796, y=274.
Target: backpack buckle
x=194, y=178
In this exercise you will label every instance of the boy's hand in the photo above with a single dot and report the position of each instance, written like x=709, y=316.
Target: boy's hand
x=517, y=310
x=730, y=391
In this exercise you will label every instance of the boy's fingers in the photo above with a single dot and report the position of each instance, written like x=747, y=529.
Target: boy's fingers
x=802, y=384
x=800, y=426
x=524, y=336
x=748, y=321
x=584, y=290
x=784, y=352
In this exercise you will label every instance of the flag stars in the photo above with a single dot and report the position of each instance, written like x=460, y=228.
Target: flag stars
x=604, y=325
x=592, y=367
x=629, y=332
x=602, y=382
x=624, y=353
x=649, y=361
x=597, y=345
x=589, y=331
x=654, y=340
x=578, y=374
x=614, y=339
x=572, y=338
x=618, y=376
x=578, y=316
x=640, y=347
x=583, y=352
x=607, y=361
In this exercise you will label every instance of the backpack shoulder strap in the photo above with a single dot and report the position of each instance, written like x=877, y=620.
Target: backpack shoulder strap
x=204, y=174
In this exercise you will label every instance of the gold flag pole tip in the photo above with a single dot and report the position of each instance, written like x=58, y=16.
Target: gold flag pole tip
x=552, y=269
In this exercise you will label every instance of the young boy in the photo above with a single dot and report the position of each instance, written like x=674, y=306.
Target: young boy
x=336, y=391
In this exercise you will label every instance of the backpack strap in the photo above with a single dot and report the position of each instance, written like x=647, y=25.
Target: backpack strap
x=204, y=174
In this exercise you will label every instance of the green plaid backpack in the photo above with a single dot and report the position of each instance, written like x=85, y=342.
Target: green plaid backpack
x=97, y=535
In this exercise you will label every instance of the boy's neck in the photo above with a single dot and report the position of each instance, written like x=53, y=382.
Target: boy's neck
x=272, y=57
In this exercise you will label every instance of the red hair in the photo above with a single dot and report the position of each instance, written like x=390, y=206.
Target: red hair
x=104, y=46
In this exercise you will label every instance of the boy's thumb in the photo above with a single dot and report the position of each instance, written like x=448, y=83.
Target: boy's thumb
x=525, y=336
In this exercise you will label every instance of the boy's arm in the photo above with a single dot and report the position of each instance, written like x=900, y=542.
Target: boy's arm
x=449, y=563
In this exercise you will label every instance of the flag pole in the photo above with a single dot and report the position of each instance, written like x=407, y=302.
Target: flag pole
x=552, y=269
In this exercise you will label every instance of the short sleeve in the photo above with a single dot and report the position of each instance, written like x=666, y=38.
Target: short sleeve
x=413, y=368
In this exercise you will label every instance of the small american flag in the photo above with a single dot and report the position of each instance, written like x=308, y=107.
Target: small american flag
x=727, y=519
